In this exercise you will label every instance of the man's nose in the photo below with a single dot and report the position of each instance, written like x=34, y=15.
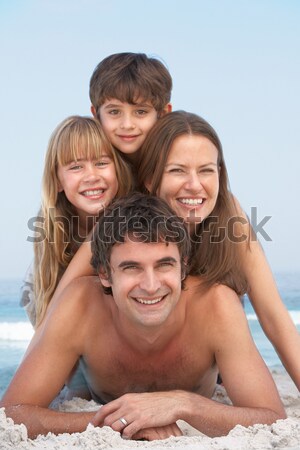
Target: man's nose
x=150, y=282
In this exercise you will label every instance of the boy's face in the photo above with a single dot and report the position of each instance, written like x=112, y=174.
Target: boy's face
x=126, y=125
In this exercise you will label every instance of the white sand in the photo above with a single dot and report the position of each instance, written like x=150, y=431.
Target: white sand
x=284, y=434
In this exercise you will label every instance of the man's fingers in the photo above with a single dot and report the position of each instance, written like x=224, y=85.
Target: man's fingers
x=100, y=416
x=164, y=432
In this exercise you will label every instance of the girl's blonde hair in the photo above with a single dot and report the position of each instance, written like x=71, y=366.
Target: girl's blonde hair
x=74, y=138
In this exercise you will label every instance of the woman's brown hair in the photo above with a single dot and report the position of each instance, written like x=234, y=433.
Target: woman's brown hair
x=215, y=255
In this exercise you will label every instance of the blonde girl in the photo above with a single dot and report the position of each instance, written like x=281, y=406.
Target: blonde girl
x=82, y=175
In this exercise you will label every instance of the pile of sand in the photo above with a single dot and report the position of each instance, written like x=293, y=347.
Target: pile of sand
x=284, y=434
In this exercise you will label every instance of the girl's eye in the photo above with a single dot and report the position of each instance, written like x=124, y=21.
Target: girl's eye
x=75, y=167
x=103, y=162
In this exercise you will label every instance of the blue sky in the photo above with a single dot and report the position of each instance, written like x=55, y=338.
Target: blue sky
x=234, y=62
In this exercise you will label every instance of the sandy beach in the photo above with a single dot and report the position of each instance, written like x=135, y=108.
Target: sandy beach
x=284, y=434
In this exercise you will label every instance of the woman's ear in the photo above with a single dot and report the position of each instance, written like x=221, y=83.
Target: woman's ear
x=148, y=185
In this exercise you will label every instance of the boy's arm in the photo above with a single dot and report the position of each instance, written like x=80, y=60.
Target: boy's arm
x=43, y=372
x=245, y=376
x=271, y=311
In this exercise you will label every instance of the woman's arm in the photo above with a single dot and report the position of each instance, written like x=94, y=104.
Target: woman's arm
x=270, y=309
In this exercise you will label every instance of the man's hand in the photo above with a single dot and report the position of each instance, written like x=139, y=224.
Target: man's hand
x=155, y=413
x=151, y=434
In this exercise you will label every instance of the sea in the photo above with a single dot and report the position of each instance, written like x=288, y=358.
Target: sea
x=16, y=330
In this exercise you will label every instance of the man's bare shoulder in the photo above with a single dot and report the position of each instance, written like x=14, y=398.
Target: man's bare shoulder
x=78, y=297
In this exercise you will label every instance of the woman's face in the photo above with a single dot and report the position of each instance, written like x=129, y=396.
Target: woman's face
x=190, y=182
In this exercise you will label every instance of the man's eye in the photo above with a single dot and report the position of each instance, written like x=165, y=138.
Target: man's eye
x=130, y=267
x=166, y=265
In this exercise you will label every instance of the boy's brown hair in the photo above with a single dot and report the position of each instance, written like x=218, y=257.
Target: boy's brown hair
x=129, y=77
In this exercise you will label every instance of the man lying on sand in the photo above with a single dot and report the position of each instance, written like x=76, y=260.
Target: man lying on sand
x=149, y=350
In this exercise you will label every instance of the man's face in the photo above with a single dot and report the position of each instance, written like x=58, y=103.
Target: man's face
x=126, y=125
x=145, y=281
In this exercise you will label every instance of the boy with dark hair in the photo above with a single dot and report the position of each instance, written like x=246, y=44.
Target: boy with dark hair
x=129, y=92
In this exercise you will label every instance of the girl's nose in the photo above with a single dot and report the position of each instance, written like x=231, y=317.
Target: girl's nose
x=91, y=174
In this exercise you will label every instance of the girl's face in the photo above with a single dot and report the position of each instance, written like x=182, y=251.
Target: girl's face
x=190, y=183
x=89, y=185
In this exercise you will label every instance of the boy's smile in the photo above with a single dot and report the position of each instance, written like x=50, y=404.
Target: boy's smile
x=127, y=125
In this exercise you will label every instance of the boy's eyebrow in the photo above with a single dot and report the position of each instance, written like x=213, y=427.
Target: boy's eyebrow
x=117, y=105
x=112, y=105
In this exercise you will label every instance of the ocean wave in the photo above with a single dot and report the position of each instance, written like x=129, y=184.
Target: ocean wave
x=23, y=331
x=295, y=315
x=16, y=331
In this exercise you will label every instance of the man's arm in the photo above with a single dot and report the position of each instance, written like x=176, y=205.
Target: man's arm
x=246, y=378
x=43, y=372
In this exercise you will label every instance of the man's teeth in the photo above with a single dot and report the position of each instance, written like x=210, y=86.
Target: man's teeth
x=191, y=201
x=148, y=302
x=95, y=192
